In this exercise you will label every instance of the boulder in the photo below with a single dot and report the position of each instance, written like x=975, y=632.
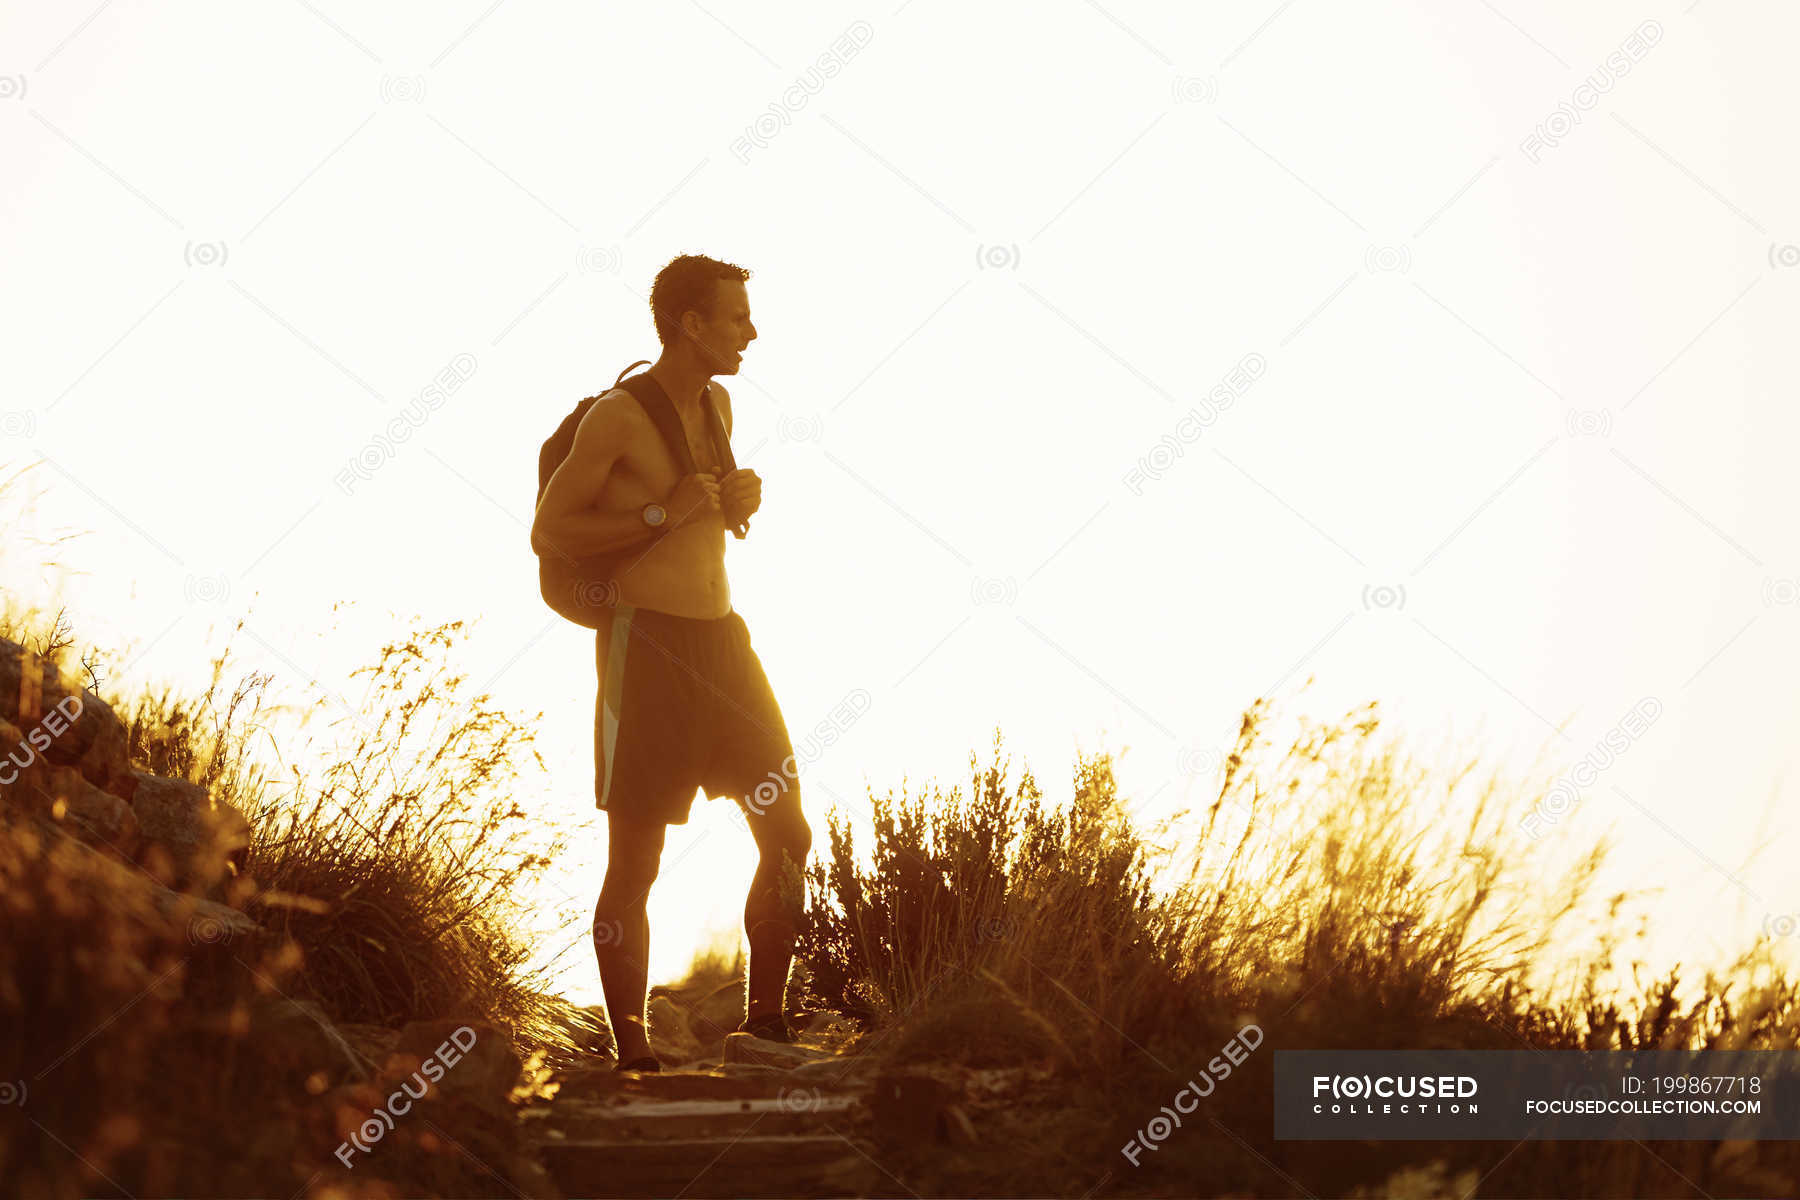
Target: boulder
x=200, y=922
x=824, y=1022
x=99, y=817
x=844, y=1071
x=472, y=1061
x=200, y=842
x=207, y=922
x=373, y=1042
x=63, y=798
x=670, y=1039
x=297, y=1045
x=717, y=1013
x=918, y=1107
x=78, y=728
x=748, y=1048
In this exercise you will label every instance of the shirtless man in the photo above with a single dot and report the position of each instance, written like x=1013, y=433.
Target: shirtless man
x=684, y=702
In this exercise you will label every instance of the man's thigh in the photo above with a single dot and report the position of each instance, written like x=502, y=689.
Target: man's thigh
x=649, y=730
x=752, y=758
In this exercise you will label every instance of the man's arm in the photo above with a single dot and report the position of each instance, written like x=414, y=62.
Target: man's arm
x=566, y=523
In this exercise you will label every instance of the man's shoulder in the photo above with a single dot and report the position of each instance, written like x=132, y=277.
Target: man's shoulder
x=614, y=413
x=617, y=403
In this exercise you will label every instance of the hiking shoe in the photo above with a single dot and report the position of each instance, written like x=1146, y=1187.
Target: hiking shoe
x=646, y=1062
x=771, y=1027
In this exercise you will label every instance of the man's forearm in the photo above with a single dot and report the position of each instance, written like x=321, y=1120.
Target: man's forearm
x=591, y=533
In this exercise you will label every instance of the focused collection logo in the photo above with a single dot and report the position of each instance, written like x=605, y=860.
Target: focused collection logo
x=1402, y=1095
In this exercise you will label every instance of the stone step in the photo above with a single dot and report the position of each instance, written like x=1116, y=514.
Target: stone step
x=797, y=1110
x=748, y=1048
x=717, y=1083
x=746, y=1166
x=846, y=1072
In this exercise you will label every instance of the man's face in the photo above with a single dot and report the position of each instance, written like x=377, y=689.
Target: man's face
x=721, y=334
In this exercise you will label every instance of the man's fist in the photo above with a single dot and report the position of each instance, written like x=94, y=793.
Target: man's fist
x=740, y=494
x=693, y=497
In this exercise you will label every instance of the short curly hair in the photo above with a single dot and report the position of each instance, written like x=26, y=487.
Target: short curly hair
x=686, y=285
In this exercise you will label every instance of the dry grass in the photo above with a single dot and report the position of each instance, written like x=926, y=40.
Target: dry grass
x=1335, y=891
x=397, y=867
x=388, y=871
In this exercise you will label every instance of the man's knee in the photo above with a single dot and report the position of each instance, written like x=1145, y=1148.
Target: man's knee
x=633, y=859
x=790, y=840
x=627, y=884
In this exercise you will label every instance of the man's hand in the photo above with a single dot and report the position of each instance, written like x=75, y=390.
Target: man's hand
x=693, y=497
x=740, y=494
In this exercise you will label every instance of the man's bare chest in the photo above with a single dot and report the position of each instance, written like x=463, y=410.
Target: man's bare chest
x=653, y=460
x=700, y=443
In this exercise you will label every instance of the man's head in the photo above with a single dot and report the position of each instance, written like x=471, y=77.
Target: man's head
x=701, y=308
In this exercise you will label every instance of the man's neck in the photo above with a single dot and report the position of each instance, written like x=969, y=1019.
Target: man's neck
x=685, y=382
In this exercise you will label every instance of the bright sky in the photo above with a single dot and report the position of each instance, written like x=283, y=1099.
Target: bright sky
x=1119, y=363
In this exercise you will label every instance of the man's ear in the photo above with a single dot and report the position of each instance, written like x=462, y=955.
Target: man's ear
x=690, y=332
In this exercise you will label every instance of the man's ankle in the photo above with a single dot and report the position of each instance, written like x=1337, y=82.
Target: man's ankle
x=631, y=1038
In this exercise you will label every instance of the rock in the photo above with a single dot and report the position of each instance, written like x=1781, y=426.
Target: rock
x=845, y=1070
x=917, y=1107
x=669, y=1036
x=198, y=921
x=99, y=817
x=826, y=1023
x=741, y=1070
x=295, y=1042
x=373, y=1042
x=61, y=797
x=207, y=922
x=76, y=727
x=748, y=1048
x=203, y=842
x=717, y=1013
x=471, y=1061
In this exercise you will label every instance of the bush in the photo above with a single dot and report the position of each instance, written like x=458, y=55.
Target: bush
x=1336, y=892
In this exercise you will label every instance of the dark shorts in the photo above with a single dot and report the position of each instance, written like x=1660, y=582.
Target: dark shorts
x=683, y=705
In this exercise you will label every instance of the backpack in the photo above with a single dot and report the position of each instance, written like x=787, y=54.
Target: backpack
x=583, y=589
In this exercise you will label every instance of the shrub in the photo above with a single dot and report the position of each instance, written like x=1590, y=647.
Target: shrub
x=1335, y=891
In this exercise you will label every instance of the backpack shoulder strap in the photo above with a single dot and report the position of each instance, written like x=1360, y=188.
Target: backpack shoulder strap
x=655, y=402
x=715, y=425
x=722, y=443
x=661, y=410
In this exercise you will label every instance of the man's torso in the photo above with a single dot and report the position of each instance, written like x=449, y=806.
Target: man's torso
x=681, y=571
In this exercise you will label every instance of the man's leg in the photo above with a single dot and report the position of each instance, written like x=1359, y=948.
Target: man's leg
x=622, y=928
x=783, y=839
x=754, y=752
